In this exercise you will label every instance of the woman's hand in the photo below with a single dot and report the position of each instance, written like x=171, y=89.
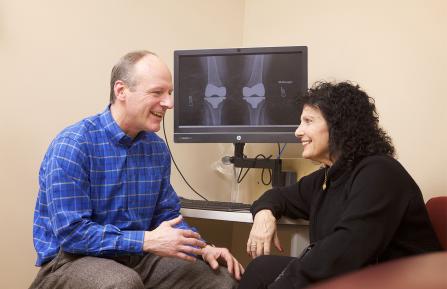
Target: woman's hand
x=263, y=233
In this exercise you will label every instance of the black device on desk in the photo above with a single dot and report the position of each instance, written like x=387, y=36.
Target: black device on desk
x=213, y=205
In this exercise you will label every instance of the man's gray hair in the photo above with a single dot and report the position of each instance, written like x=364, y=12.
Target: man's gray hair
x=123, y=70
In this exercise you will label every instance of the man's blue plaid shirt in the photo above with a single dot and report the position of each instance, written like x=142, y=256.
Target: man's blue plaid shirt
x=100, y=190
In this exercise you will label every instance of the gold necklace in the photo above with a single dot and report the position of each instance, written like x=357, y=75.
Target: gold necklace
x=325, y=179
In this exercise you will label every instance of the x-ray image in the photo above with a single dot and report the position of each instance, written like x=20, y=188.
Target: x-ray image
x=238, y=90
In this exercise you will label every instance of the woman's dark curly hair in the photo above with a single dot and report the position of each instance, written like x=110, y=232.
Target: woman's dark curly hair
x=352, y=120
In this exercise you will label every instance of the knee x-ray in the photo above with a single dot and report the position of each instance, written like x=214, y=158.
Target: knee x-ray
x=240, y=89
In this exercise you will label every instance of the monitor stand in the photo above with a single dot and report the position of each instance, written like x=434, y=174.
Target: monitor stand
x=241, y=161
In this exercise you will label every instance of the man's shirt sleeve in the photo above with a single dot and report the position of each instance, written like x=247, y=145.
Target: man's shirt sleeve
x=69, y=206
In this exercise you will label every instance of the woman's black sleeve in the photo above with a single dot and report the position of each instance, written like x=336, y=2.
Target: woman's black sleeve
x=292, y=201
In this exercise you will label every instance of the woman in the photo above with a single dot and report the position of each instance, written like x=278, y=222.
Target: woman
x=363, y=207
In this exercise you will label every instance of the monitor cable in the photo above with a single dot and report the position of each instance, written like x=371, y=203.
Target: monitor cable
x=240, y=179
x=175, y=164
x=280, y=150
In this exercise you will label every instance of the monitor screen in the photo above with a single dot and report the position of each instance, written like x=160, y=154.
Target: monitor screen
x=238, y=95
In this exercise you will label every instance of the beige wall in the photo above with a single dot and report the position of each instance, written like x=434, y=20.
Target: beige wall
x=396, y=50
x=55, y=58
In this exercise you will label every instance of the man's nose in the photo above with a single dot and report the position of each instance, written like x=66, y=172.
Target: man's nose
x=167, y=101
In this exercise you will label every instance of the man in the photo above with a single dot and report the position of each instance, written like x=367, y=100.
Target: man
x=106, y=215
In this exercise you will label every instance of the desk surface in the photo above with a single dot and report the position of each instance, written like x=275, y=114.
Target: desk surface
x=240, y=216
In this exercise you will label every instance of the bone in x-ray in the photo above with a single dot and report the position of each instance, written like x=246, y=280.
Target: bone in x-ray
x=215, y=92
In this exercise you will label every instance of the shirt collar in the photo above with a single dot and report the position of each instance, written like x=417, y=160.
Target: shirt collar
x=114, y=131
x=337, y=173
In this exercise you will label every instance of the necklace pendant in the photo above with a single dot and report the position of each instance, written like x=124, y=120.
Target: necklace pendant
x=325, y=180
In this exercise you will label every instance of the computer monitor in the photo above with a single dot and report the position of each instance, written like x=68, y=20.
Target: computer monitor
x=238, y=95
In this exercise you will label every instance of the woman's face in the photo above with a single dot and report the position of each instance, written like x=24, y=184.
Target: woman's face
x=313, y=133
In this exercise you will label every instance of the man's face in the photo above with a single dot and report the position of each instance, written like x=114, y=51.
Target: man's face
x=150, y=96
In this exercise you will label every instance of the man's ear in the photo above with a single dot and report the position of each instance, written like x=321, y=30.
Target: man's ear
x=120, y=90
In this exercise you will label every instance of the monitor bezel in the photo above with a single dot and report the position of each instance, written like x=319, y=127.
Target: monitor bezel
x=237, y=134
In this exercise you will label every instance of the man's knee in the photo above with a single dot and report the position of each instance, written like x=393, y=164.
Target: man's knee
x=120, y=280
x=183, y=274
x=109, y=274
x=224, y=280
x=126, y=279
x=92, y=272
x=215, y=279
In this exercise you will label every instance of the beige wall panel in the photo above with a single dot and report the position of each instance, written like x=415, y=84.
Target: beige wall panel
x=394, y=49
x=55, y=61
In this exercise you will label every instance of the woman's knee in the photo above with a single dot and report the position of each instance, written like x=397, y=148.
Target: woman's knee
x=260, y=264
x=263, y=270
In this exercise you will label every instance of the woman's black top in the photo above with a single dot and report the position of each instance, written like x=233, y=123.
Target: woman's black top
x=372, y=213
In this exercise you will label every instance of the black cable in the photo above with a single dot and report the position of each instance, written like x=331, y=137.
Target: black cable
x=239, y=179
x=270, y=174
x=175, y=164
x=262, y=177
x=281, y=150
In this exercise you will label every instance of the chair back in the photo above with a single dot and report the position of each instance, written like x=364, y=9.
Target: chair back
x=437, y=211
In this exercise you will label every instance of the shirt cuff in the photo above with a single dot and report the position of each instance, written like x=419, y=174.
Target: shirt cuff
x=131, y=241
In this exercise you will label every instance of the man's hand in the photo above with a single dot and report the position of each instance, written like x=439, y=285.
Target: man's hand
x=262, y=234
x=168, y=241
x=215, y=255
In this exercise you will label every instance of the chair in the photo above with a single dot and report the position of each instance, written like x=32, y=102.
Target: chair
x=425, y=271
x=437, y=211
